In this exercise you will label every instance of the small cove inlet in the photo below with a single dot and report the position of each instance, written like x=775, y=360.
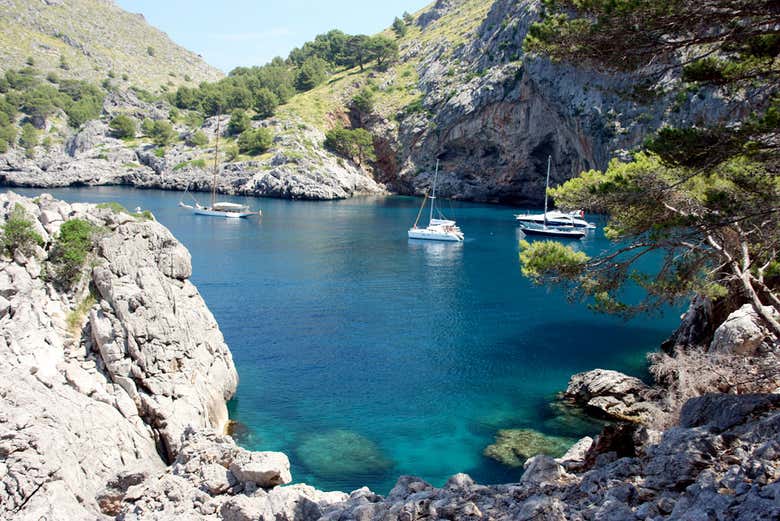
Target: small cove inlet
x=364, y=356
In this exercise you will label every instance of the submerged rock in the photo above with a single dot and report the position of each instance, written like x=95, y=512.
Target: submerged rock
x=340, y=453
x=514, y=446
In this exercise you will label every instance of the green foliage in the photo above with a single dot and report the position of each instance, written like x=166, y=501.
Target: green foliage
x=70, y=251
x=384, y=50
x=265, y=103
x=198, y=139
x=113, y=206
x=18, y=233
x=357, y=144
x=195, y=163
x=311, y=73
x=162, y=133
x=239, y=122
x=147, y=127
x=150, y=51
x=399, y=27
x=255, y=141
x=64, y=65
x=29, y=139
x=123, y=126
x=364, y=100
x=542, y=260
x=408, y=18
x=231, y=152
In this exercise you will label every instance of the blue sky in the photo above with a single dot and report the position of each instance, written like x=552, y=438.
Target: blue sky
x=245, y=32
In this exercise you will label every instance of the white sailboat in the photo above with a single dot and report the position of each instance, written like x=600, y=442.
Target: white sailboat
x=562, y=226
x=555, y=217
x=219, y=208
x=437, y=229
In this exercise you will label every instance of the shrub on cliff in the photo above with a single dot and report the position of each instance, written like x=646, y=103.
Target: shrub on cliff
x=162, y=133
x=123, y=126
x=198, y=139
x=18, y=233
x=70, y=250
x=239, y=122
x=255, y=141
x=357, y=144
x=29, y=139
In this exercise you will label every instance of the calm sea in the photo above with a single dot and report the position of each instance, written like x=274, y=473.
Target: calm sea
x=365, y=356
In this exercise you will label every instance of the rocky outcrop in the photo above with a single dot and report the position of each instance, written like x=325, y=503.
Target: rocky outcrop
x=692, y=472
x=297, y=167
x=102, y=384
x=613, y=394
x=742, y=333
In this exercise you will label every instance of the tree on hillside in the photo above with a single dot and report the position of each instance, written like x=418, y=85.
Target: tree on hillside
x=311, y=73
x=399, y=27
x=357, y=144
x=29, y=139
x=383, y=49
x=707, y=198
x=123, y=126
x=239, y=122
x=162, y=133
x=265, y=103
x=408, y=18
x=255, y=141
x=358, y=49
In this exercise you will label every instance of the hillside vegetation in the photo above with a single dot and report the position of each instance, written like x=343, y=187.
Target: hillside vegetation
x=92, y=39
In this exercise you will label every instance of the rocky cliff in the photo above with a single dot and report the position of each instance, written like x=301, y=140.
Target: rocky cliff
x=462, y=91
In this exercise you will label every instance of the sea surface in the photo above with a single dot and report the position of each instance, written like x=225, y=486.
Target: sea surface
x=364, y=355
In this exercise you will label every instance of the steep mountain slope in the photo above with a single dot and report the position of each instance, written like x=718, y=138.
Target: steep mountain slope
x=464, y=92
x=461, y=91
x=88, y=39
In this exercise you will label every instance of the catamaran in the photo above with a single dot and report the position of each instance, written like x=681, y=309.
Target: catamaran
x=559, y=224
x=218, y=208
x=437, y=229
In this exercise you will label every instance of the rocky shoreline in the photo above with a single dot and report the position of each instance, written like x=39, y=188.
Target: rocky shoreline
x=114, y=391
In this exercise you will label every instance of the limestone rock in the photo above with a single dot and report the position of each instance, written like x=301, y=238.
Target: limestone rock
x=266, y=469
x=740, y=334
x=612, y=393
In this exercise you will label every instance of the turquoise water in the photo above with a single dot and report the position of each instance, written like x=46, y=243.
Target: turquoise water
x=364, y=356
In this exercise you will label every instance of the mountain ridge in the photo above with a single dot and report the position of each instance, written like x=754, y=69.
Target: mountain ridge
x=92, y=40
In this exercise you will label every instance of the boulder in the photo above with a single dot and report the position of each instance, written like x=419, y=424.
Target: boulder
x=266, y=469
x=741, y=333
x=542, y=469
x=613, y=394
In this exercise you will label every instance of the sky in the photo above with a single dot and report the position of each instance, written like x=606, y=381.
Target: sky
x=245, y=32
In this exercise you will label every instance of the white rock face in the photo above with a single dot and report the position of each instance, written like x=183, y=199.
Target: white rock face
x=741, y=333
x=79, y=408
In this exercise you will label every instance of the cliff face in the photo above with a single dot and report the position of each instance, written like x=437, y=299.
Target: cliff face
x=93, y=386
x=493, y=114
x=462, y=91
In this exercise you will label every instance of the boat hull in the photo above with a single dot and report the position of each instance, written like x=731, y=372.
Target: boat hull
x=226, y=215
x=554, y=220
x=554, y=232
x=430, y=235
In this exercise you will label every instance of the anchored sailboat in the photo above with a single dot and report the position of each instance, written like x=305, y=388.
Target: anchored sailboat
x=437, y=229
x=219, y=208
x=560, y=225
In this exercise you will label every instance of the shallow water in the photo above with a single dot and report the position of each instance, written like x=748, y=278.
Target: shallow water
x=396, y=356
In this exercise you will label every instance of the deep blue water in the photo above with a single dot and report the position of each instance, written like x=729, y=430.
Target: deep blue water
x=396, y=356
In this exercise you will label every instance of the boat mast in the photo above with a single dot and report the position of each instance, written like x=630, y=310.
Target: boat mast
x=433, y=196
x=216, y=164
x=547, y=188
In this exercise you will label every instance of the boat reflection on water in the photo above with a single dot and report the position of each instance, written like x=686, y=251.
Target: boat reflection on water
x=438, y=253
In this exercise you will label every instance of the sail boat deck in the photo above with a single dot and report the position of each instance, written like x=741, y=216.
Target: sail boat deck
x=437, y=229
